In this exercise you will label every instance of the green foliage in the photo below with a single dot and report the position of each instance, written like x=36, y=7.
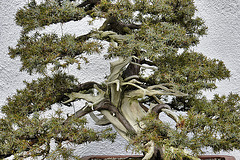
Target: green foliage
x=212, y=124
x=192, y=70
x=37, y=51
x=215, y=123
x=171, y=11
x=163, y=39
x=35, y=133
x=157, y=33
x=162, y=135
x=39, y=95
x=33, y=16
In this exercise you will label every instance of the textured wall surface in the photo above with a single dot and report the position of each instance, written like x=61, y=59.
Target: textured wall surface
x=222, y=42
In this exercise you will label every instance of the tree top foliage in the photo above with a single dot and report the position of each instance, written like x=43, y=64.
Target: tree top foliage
x=142, y=34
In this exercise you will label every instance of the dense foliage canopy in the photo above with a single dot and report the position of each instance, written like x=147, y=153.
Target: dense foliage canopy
x=156, y=35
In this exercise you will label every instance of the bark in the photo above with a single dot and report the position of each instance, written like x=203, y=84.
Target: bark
x=80, y=113
x=80, y=87
x=83, y=38
x=85, y=86
x=112, y=24
x=125, y=113
x=106, y=105
x=158, y=108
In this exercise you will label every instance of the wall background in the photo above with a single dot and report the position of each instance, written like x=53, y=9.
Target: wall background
x=222, y=42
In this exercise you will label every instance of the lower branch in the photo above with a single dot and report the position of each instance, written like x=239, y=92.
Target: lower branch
x=101, y=122
x=166, y=109
x=106, y=105
x=30, y=142
x=80, y=113
x=158, y=108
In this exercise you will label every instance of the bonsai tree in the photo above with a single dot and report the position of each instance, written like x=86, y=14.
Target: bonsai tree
x=153, y=70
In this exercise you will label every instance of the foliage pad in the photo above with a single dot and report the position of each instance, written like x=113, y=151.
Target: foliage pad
x=147, y=35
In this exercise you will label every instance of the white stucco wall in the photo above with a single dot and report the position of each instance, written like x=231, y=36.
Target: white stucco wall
x=222, y=42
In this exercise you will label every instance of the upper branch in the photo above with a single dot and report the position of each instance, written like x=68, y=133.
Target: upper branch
x=84, y=86
x=47, y=13
x=113, y=24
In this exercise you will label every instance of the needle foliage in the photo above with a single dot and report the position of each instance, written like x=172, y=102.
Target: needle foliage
x=143, y=35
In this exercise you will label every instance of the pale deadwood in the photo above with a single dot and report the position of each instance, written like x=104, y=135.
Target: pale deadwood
x=122, y=109
x=99, y=121
x=150, y=145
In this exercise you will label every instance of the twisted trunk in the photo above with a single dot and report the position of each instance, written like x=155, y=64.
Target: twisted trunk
x=119, y=102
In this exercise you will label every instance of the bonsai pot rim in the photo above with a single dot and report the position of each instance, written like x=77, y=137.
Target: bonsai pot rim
x=217, y=156
x=110, y=156
x=202, y=157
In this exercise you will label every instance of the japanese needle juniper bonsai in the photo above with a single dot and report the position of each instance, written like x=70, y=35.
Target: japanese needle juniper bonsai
x=143, y=34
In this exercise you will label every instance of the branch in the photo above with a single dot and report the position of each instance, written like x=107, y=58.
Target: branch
x=84, y=86
x=167, y=90
x=147, y=67
x=159, y=89
x=106, y=105
x=143, y=107
x=144, y=61
x=171, y=114
x=84, y=38
x=116, y=68
x=109, y=36
x=63, y=98
x=80, y=113
x=88, y=97
x=112, y=24
x=106, y=108
x=158, y=108
x=101, y=122
x=135, y=65
x=132, y=68
x=99, y=104
x=166, y=109
x=30, y=142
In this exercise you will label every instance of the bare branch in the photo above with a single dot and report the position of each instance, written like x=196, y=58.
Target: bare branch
x=143, y=107
x=88, y=97
x=166, y=109
x=158, y=108
x=84, y=38
x=101, y=122
x=80, y=113
x=106, y=105
x=84, y=86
